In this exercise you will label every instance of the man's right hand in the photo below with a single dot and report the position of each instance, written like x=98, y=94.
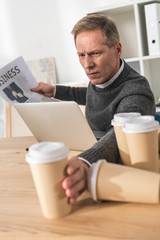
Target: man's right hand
x=45, y=89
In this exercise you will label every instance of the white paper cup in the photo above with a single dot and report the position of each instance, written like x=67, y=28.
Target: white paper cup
x=108, y=181
x=118, y=122
x=47, y=161
x=119, y=119
x=142, y=139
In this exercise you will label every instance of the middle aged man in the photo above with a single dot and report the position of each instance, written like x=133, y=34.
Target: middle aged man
x=114, y=87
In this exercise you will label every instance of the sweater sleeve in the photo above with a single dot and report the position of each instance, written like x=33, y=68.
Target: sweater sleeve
x=77, y=94
x=106, y=148
x=137, y=103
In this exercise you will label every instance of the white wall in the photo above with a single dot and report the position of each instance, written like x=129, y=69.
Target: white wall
x=42, y=28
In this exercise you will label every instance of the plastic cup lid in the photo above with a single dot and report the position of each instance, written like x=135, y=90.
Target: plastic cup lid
x=45, y=152
x=120, y=118
x=141, y=124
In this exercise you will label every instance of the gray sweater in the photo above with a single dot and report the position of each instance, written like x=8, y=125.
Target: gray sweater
x=130, y=92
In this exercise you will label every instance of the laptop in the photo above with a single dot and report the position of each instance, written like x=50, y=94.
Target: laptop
x=58, y=121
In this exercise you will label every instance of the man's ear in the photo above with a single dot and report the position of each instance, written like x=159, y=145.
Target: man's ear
x=118, y=47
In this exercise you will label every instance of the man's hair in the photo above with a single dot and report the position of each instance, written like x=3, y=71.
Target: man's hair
x=97, y=21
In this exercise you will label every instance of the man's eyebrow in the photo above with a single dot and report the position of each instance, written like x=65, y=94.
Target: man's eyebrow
x=93, y=51
x=96, y=50
x=80, y=52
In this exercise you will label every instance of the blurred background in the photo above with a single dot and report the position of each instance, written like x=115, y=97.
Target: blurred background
x=37, y=29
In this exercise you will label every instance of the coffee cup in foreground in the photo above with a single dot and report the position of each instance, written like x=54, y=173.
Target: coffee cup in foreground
x=118, y=122
x=47, y=161
x=142, y=139
x=109, y=181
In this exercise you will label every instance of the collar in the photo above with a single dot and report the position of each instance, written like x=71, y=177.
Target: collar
x=110, y=81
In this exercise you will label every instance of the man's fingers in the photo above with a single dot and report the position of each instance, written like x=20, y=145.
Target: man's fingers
x=76, y=174
x=73, y=164
x=75, y=181
x=36, y=88
x=76, y=189
x=72, y=199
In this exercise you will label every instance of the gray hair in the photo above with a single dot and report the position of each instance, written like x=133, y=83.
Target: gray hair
x=97, y=21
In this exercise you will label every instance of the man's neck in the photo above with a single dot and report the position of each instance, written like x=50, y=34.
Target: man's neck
x=110, y=81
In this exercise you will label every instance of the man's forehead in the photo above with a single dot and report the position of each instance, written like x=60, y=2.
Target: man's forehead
x=87, y=33
x=92, y=38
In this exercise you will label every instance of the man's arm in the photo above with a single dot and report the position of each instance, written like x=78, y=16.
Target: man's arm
x=77, y=94
x=105, y=148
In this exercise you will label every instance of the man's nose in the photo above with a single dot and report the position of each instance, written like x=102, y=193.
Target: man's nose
x=88, y=62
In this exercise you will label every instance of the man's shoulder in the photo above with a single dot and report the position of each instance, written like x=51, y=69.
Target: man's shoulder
x=131, y=76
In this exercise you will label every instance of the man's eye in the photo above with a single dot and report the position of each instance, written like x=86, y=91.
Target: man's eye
x=96, y=53
x=81, y=55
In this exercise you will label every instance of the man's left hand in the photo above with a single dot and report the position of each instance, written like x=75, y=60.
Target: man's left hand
x=76, y=178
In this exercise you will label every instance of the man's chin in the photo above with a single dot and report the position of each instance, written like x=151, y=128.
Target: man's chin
x=95, y=81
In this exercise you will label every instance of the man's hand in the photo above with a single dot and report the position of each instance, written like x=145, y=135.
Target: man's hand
x=45, y=89
x=76, y=178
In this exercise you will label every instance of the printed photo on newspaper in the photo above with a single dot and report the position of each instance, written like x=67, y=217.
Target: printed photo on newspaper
x=15, y=82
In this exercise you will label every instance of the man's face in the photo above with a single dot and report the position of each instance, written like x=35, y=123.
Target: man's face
x=98, y=60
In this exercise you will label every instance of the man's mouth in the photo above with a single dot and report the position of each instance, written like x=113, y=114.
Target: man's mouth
x=92, y=74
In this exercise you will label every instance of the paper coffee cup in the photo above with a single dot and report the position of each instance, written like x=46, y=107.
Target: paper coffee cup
x=108, y=181
x=118, y=122
x=47, y=161
x=142, y=139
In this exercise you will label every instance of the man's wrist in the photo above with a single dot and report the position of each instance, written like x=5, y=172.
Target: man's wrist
x=86, y=166
x=84, y=160
x=54, y=91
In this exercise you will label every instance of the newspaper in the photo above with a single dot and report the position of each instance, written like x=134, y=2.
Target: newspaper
x=15, y=82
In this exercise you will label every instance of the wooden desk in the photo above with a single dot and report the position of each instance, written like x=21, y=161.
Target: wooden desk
x=21, y=217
